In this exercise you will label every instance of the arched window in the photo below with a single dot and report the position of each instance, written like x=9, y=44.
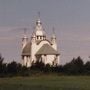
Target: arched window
x=37, y=37
x=40, y=37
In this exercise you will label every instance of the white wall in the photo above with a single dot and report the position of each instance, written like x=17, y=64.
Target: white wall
x=49, y=59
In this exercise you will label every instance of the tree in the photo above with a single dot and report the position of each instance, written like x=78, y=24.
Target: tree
x=87, y=67
x=13, y=67
x=76, y=66
x=2, y=65
x=39, y=65
x=47, y=68
x=1, y=59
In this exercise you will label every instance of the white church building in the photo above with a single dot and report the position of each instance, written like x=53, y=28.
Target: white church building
x=39, y=47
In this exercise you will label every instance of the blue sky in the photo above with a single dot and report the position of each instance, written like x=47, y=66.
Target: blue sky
x=71, y=19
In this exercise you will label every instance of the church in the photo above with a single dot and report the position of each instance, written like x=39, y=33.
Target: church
x=39, y=47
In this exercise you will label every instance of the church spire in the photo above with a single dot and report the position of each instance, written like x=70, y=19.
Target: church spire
x=40, y=34
x=39, y=15
x=53, y=39
x=24, y=39
x=53, y=35
x=25, y=31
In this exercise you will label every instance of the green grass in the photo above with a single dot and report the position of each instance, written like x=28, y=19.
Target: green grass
x=49, y=82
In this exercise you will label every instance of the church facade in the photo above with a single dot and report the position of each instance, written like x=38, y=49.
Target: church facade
x=39, y=48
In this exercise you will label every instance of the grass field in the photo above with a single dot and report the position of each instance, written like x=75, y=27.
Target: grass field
x=49, y=82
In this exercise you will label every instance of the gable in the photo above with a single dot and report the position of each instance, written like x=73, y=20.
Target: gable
x=47, y=50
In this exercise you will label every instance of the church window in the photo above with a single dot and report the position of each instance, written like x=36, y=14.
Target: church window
x=37, y=37
x=40, y=37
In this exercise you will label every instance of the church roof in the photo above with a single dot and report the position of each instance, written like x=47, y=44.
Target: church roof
x=47, y=49
x=27, y=49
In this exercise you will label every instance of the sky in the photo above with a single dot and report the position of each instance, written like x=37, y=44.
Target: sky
x=70, y=18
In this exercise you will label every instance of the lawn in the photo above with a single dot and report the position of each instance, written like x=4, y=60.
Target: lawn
x=46, y=82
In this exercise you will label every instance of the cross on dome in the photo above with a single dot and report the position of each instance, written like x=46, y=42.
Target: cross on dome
x=38, y=22
x=39, y=28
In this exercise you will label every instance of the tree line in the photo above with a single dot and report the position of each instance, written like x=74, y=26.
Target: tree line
x=75, y=67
